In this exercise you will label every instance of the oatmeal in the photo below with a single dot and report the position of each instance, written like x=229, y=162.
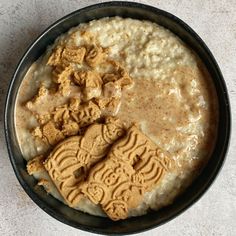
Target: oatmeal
x=116, y=93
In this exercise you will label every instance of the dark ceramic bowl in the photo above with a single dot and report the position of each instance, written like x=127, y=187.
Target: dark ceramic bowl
x=153, y=219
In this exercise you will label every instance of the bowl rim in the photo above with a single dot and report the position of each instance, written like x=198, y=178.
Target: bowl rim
x=155, y=10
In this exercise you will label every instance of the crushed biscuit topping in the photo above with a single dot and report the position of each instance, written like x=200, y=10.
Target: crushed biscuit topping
x=64, y=88
x=43, y=119
x=70, y=128
x=51, y=133
x=134, y=165
x=61, y=114
x=109, y=106
x=91, y=83
x=67, y=120
x=42, y=92
x=35, y=165
x=87, y=114
x=74, y=104
x=62, y=73
x=65, y=55
x=73, y=54
x=55, y=58
x=120, y=76
x=94, y=56
x=111, y=90
x=37, y=133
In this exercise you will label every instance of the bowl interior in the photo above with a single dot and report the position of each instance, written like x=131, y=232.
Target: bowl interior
x=152, y=219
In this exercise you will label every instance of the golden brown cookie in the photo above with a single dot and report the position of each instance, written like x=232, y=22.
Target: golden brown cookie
x=62, y=55
x=74, y=104
x=73, y=54
x=90, y=82
x=87, y=114
x=70, y=128
x=51, y=133
x=94, y=56
x=43, y=119
x=69, y=162
x=133, y=166
x=62, y=73
x=35, y=165
x=42, y=92
x=109, y=106
x=61, y=114
x=120, y=76
x=111, y=90
x=55, y=57
x=66, y=120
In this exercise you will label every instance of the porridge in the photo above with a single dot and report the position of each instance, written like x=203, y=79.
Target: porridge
x=117, y=117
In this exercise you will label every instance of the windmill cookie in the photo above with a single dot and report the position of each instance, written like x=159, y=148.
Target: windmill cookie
x=133, y=166
x=69, y=162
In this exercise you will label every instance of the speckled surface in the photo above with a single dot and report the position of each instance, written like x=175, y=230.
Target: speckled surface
x=214, y=20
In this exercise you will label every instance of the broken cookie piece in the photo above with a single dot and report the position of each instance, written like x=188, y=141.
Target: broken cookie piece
x=62, y=59
x=74, y=54
x=64, y=88
x=91, y=83
x=69, y=162
x=62, y=76
x=37, y=133
x=120, y=77
x=125, y=81
x=94, y=56
x=134, y=165
x=62, y=73
x=46, y=184
x=43, y=119
x=74, y=104
x=109, y=77
x=111, y=90
x=67, y=120
x=109, y=106
x=55, y=57
x=42, y=92
x=51, y=133
x=70, y=128
x=35, y=165
x=87, y=114
x=61, y=114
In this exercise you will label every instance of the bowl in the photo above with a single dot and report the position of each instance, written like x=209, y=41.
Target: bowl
x=153, y=219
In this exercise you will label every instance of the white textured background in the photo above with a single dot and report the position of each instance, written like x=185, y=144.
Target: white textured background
x=214, y=20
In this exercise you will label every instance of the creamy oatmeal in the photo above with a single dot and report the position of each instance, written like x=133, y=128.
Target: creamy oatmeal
x=111, y=81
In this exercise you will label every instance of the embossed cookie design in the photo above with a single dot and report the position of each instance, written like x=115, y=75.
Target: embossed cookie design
x=133, y=166
x=70, y=160
x=66, y=55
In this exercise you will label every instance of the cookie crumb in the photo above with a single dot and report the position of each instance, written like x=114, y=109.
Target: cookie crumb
x=94, y=56
x=133, y=166
x=35, y=165
x=70, y=128
x=70, y=160
x=51, y=133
